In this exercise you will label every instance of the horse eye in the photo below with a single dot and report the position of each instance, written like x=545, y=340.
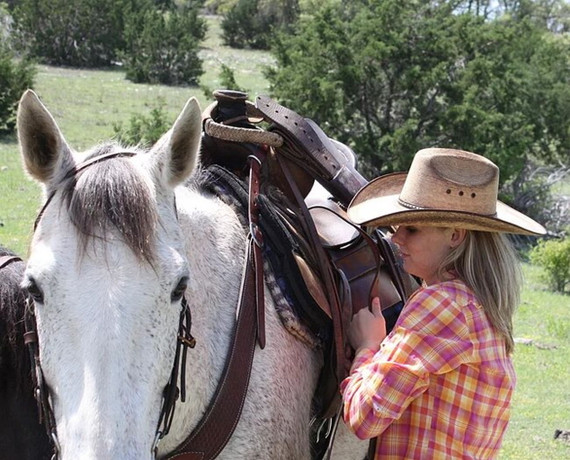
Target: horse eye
x=33, y=289
x=179, y=290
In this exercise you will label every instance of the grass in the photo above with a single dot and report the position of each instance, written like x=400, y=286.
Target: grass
x=87, y=103
x=541, y=403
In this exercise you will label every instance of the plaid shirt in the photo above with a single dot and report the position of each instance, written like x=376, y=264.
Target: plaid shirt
x=439, y=387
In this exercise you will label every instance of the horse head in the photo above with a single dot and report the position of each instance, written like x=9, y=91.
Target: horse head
x=107, y=271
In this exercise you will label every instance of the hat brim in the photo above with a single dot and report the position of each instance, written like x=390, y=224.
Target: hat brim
x=376, y=204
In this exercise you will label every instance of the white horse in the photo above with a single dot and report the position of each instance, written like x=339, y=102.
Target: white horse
x=113, y=252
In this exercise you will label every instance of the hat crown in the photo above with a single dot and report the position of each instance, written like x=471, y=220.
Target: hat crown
x=452, y=180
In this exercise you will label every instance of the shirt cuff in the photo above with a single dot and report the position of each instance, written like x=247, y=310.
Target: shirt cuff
x=362, y=356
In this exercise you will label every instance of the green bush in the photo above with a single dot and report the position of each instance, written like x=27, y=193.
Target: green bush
x=162, y=47
x=253, y=23
x=16, y=75
x=78, y=33
x=554, y=257
x=144, y=130
x=227, y=81
x=241, y=27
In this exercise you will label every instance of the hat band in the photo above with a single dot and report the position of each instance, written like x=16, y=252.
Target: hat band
x=420, y=208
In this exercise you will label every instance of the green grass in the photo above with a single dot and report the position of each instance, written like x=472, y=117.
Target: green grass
x=87, y=103
x=541, y=402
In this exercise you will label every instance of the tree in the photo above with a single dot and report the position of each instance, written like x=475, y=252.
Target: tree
x=81, y=33
x=254, y=23
x=389, y=77
x=16, y=75
x=162, y=47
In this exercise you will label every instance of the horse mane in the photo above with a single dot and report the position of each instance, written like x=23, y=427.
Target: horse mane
x=12, y=309
x=112, y=195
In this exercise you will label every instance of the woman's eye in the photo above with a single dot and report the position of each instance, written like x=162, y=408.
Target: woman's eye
x=410, y=229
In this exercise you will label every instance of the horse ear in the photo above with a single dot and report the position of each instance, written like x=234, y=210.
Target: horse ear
x=42, y=145
x=176, y=152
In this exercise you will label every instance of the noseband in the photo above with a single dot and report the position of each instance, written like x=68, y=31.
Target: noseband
x=184, y=340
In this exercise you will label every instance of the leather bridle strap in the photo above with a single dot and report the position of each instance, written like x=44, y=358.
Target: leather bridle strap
x=171, y=391
x=7, y=260
x=76, y=169
x=45, y=410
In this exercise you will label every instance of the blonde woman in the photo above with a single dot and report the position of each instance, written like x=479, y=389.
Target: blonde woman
x=440, y=384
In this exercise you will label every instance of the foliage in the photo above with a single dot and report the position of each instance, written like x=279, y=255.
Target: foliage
x=143, y=130
x=227, y=81
x=253, y=23
x=219, y=6
x=156, y=40
x=389, y=77
x=81, y=33
x=16, y=75
x=532, y=192
x=554, y=257
x=162, y=47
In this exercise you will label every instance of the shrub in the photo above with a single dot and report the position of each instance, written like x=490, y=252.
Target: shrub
x=554, y=257
x=162, y=47
x=144, y=130
x=242, y=29
x=79, y=33
x=227, y=81
x=253, y=23
x=16, y=75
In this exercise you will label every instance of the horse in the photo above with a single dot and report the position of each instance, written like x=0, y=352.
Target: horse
x=22, y=437
x=125, y=238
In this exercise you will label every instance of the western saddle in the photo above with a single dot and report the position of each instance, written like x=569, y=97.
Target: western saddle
x=295, y=182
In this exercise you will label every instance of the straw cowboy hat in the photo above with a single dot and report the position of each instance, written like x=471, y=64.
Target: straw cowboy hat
x=444, y=187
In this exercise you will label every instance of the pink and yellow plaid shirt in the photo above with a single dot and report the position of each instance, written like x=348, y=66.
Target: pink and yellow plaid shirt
x=439, y=387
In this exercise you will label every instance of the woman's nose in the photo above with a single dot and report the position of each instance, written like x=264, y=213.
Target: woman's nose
x=397, y=236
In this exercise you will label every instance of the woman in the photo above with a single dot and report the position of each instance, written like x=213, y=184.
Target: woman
x=440, y=384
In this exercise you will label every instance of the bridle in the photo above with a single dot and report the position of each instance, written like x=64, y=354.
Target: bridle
x=185, y=340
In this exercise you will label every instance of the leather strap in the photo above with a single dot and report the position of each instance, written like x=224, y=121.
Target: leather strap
x=338, y=321
x=220, y=420
x=76, y=169
x=45, y=411
x=218, y=423
x=257, y=237
x=305, y=144
x=7, y=260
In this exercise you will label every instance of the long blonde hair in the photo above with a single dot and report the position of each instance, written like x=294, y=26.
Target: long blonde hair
x=488, y=263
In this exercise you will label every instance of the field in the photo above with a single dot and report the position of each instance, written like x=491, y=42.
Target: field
x=86, y=104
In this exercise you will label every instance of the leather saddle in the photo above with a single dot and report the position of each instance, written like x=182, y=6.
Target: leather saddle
x=333, y=266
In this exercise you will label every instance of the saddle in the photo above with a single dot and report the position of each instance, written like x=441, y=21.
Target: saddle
x=329, y=267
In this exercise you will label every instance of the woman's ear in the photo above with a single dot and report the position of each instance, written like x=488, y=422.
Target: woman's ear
x=457, y=237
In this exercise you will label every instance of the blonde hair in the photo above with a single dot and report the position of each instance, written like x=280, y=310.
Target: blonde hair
x=488, y=263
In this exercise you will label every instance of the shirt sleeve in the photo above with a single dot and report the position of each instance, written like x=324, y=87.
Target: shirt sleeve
x=430, y=337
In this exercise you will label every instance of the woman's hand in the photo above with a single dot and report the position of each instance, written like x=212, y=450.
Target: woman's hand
x=367, y=328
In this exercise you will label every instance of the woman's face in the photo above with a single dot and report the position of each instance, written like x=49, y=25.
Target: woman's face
x=423, y=248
